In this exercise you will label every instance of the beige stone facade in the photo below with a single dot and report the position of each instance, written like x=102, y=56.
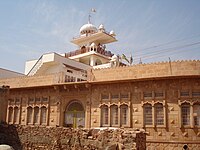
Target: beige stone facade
x=162, y=98
x=4, y=93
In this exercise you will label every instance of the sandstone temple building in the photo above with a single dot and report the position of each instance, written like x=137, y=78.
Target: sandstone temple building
x=92, y=88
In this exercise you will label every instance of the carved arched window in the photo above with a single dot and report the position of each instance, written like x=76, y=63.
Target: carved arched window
x=185, y=113
x=114, y=115
x=148, y=114
x=36, y=115
x=159, y=114
x=43, y=115
x=196, y=114
x=104, y=115
x=16, y=115
x=124, y=114
x=29, y=115
x=10, y=114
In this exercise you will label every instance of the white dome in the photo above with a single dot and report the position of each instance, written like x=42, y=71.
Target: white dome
x=114, y=58
x=112, y=33
x=93, y=44
x=88, y=28
x=101, y=26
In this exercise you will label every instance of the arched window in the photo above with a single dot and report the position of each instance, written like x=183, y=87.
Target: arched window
x=196, y=114
x=29, y=115
x=124, y=114
x=159, y=114
x=16, y=115
x=36, y=115
x=10, y=114
x=114, y=115
x=75, y=115
x=98, y=62
x=185, y=114
x=148, y=114
x=104, y=115
x=43, y=115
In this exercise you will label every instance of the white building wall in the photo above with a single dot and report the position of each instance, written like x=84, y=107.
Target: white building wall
x=29, y=65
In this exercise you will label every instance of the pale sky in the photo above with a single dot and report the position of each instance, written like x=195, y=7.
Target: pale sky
x=152, y=30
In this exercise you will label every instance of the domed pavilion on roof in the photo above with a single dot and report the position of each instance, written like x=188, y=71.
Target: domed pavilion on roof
x=92, y=46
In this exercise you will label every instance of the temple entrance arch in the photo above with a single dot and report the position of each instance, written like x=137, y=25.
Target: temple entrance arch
x=75, y=115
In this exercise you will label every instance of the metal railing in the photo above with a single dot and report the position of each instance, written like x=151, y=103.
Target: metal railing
x=37, y=65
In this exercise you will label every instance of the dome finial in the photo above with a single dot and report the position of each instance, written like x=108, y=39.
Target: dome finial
x=89, y=16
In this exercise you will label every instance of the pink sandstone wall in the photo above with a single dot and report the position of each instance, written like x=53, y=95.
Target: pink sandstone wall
x=141, y=71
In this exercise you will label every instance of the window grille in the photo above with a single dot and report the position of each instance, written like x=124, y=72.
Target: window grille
x=195, y=94
x=17, y=101
x=36, y=115
x=104, y=96
x=124, y=115
x=16, y=115
x=43, y=115
x=184, y=93
x=147, y=94
x=114, y=114
x=29, y=115
x=196, y=115
x=37, y=99
x=115, y=96
x=185, y=113
x=124, y=96
x=159, y=114
x=148, y=114
x=10, y=114
x=159, y=94
x=104, y=115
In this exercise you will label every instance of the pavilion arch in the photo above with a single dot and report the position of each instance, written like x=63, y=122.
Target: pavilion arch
x=74, y=115
x=98, y=62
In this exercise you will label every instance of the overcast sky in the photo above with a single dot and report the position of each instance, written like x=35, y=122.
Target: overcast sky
x=152, y=30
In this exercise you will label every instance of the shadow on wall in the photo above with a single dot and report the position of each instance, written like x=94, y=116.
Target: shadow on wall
x=9, y=136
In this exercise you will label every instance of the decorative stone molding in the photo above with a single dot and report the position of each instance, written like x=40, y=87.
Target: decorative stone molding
x=171, y=108
x=172, y=121
x=198, y=134
x=172, y=134
x=185, y=134
x=159, y=133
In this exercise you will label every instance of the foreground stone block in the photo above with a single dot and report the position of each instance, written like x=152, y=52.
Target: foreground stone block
x=60, y=138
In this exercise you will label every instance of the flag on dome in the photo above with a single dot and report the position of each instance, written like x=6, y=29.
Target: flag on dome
x=125, y=58
x=93, y=10
x=131, y=59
